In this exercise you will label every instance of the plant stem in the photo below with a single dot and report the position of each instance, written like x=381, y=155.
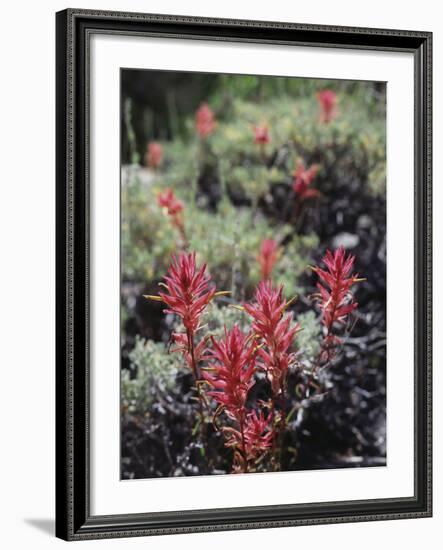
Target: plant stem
x=181, y=229
x=274, y=432
x=245, y=464
x=196, y=373
x=282, y=424
x=322, y=347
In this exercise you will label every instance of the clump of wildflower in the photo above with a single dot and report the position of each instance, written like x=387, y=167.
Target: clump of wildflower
x=336, y=299
x=187, y=292
x=275, y=332
x=327, y=100
x=167, y=199
x=231, y=375
x=232, y=371
x=154, y=155
x=205, y=122
x=267, y=257
x=258, y=434
x=251, y=445
x=261, y=135
x=173, y=207
x=303, y=177
x=274, y=329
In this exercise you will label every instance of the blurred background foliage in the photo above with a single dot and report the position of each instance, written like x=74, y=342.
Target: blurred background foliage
x=235, y=194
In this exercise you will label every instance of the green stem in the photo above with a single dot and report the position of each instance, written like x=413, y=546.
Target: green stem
x=242, y=431
x=196, y=373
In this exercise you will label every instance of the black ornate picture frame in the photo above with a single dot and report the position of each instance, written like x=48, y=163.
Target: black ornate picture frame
x=74, y=30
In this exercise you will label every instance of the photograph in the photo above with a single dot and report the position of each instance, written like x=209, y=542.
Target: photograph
x=243, y=274
x=253, y=274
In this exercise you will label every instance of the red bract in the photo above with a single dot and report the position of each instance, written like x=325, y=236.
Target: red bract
x=205, y=122
x=231, y=374
x=251, y=441
x=273, y=327
x=327, y=100
x=268, y=257
x=154, y=154
x=187, y=294
x=258, y=433
x=337, y=302
x=167, y=199
x=193, y=353
x=336, y=299
x=302, y=180
x=174, y=209
x=187, y=290
x=261, y=135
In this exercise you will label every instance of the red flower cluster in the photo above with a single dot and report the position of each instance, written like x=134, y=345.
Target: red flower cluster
x=167, y=199
x=174, y=209
x=232, y=371
x=258, y=434
x=272, y=326
x=187, y=290
x=231, y=375
x=205, y=122
x=261, y=135
x=268, y=257
x=327, y=100
x=303, y=177
x=154, y=154
x=187, y=295
x=252, y=441
x=232, y=361
x=336, y=299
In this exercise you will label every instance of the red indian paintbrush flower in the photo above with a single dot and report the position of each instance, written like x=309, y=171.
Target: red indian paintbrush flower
x=303, y=177
x=231, y=374
x=336, y=299
x=337, y=302
x=187, y=293
x=274, y=329
x=167, y=199
x=205, y=122
x=258, y=433
x=188, y=290
x=275, y=332
x=327, y=100
x=261, y=135
x=174, y=209
x=252, y=442
x=268, y=257
x=154, y=155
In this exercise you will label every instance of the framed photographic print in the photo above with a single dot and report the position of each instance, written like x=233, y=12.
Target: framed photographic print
x=243, y=274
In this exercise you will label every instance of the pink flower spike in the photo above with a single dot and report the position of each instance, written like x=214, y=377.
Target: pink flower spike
x=258, y=433
x=231, y=373
x=205, y=122
x=327, y=100
x=268, y=257
x=302, y=180
x=336, y=299
x=174, y=209
x=167, y=199
x=273, y=327
x=261, y=135
x=187, y=290
x=154, y=155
